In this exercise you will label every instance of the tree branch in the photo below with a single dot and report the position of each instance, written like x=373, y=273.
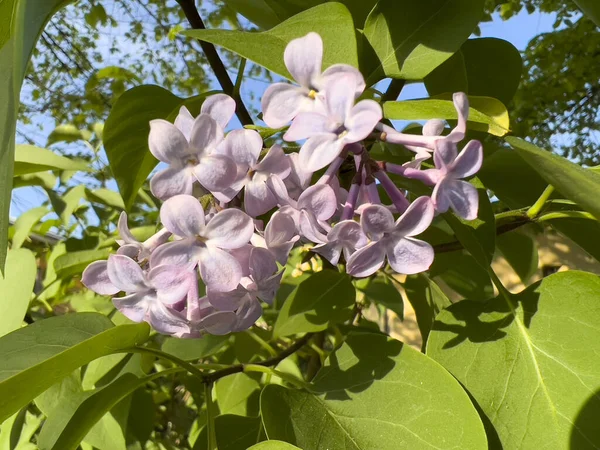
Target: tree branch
x=194, y=19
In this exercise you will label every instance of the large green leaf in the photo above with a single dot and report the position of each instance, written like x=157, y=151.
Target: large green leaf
x=485, y=113
x=233, y=433
x=16, y=288
x=238, y=394
x=21, y=22
x=573, y=181
x=591, y=8
x=413, y=37
x=520, y=250
x=530, y=363
x=583, y=232
x=325, y=297
x=37, y=356
x=31, y=159
x=194, y=349
x=73, y=263
x=375, y=393
x=488, y=67
x=126, y=135
x=383, y=291
x=463, y=275
x=273, y=445
x=331, y=20
x=25, y=223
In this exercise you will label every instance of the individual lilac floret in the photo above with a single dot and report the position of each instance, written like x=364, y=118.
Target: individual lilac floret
x=202, y=243
x=220, y=107
x=299, y=178
x=405, y=254
x=150, y=295
x=279, y=236
x=341, y=123
x=189, y=160
x=135, y=249
x=346, y=236
x=303, y=57
x=244, y=148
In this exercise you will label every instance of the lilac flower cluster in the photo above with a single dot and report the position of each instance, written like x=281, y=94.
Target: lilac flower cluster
x=238, y=256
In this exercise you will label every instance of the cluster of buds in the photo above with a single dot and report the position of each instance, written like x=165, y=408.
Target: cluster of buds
x=265, y=201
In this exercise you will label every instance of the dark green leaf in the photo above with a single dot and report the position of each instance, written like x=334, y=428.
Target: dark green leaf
x=323, y=298
x=383, y=291
x=375, y=393
x=233, y=433
x=573, y=181
x=591, y=8
x=191, y=349
x=331, y=20
x=583, y=232
x=488, y=67
x=37, y=356
x=463, y=275
x=530, y=363
x=141, y=415
x=16, y=288
x=520, y=250
x=413, y=38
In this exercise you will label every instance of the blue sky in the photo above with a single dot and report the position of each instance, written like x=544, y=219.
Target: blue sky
x=519, y=30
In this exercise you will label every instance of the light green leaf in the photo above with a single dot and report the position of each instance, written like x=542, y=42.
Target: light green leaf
x=520, y=250
x=68, y=133
x=323, y=298
x=100, y=367
x=46, y=180
x=31, y=159
x=194, y=349
x=413, y=37
x=273, y=445
x=331, y=20
x=106, y=197
x=21, y=22
x=530, y=363
x=375, y=393
x=238, y=394
x=573, y=181
x=65, y=205
x=126, y=135
x=35, y=357
x=485, y=113
x=487, y=67
x=25, y=223
x=427, y=299
x=16, y=288
x=591, y=8
x=75, y=262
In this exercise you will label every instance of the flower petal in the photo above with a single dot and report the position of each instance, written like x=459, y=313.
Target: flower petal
x=409, y=256
x=267, y=289
x=310, y=229
x=166, y=142
x=262, y=265
x=242, y=146
x=281, y=102
x=172, y=283
x=183, y=216
x=185, y=121
x=339, y=97
x=348, y=232
x=416, y=218
x=172, y=181
x=461, y=103
x=165, y=320
x=434, y=127
x=367, y=260
x=469, y=161
x=306, y=125
x=279, y=190
x=332, y=251
x=444, y=154
x=230, y=228
x=281, y=228
x=362, y=120
x=320, y=200
x=215, y=172
x=124, y=232
x=220, y=107
x=439, y=195
x=219, y=323
x=206, y=135
x=338, y=70
x=376, y=220
x=248, y=314
x=95, y=277
x=227, y=301
x=275, y=162
x=258, y=198
x=126, y=274
x=220, y=271
x=463, y=198
x=303, y=58
x=320, y=151
x=181, y=253
x=134, y=306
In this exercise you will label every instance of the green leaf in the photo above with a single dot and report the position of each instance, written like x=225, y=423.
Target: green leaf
x=485, y=113
x=381, y=290
x=74, y=263
x=126, y=135
x=106, y=197
x=413, y=38
x=591, y=8
x=521, y=251
x=68, y=133
x=238, y=394
x=573, y=181
x=273, y=445
x=583, y=232
x=16, y=288
x=463, y=274
x=487, y=67
x=31, y=159
x=331, y=20
x=530, y=363
x=325, y=297
x=21, y=21
x=526, y=186
x=375, y=393
x=65, y=205
x=427, y=299
x=233, y=433
x=25, y=223
x=194, y=349
x=37, y=356
x=477, y=236
x=142, y=415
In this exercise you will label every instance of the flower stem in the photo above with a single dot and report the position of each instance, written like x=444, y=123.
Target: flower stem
x=272, y=372
x=397, y=198
x=534, y=211
x=210, y=417
x=351, y=200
